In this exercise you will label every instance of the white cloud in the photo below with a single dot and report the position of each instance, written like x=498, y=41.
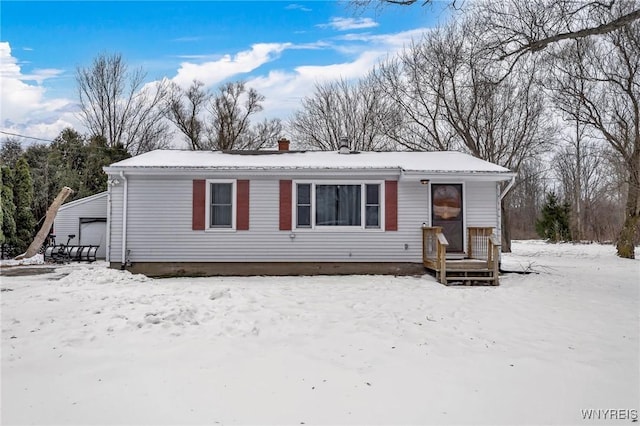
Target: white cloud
x=186, y=39
x=299, y=7
x=346, y=24
x=40, y=75
x=284, y=89
x=24, y=108
x=393, y=40
x=214, y=72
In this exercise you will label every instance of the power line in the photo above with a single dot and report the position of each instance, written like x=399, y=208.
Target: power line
x=24, y=136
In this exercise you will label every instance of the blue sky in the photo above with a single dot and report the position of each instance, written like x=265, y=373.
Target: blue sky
x=281, y=48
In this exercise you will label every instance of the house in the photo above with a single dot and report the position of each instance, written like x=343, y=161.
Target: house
x=173, y=212
x=86, y=219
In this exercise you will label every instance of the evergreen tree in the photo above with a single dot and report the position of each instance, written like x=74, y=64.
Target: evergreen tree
x=554, y=223
x=100, y=155
x=8, y=209
x=67, y=159
x=44, y=185
x=10, y=152
x=23, y=199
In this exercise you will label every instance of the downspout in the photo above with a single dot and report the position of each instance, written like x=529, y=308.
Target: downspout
x=108, y=253
x=125, y=195
x=503, y=194
x=508, y=188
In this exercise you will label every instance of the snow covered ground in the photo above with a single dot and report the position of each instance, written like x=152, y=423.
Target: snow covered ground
x=86, y=345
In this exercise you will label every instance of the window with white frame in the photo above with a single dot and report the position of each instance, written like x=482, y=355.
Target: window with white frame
x=220, y=204
x=303, y=205
x=372, y=206
x=338, y=205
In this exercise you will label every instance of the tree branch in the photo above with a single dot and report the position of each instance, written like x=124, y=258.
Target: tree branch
x=605, y=28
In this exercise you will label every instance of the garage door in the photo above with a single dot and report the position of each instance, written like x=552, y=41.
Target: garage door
x=94, y=232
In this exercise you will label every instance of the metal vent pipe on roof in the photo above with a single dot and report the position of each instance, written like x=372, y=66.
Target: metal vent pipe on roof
x=344, y=145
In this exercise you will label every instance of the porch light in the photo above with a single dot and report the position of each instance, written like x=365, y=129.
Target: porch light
x=424, y=181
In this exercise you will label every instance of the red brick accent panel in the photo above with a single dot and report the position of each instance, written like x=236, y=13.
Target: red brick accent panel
x=391, y=205
x=285, y=205
x=242, y=211
x=199, y=201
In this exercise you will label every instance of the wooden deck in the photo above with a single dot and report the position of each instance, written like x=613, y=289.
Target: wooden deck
x=479, y=267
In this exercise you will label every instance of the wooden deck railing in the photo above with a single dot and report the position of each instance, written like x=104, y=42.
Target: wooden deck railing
x=434, y=251
x=482, y=244
x=478, y=242
x=493, y=262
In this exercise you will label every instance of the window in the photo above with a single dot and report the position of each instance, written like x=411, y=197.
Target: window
x=221, y=206
x=372, y=206
x=338, y=205
x=303, y=203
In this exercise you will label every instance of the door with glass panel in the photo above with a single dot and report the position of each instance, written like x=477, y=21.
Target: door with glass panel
x=447, y=212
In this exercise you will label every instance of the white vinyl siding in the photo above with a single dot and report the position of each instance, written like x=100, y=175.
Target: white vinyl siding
x=160, y=229
x=481, y=202
x=160, y=225
x=67, y=219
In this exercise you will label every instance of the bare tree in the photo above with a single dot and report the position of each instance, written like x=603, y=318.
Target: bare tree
x=611, y=66
x=358, y=111
x=583, y=163
x=440, y=85
x=413, y=82
x=570, y=161
x=231, y=109
x=115, y=105
x=526, y=199
x=221, y=120
x=584, y=175
x=518, y=27
x=185, y=109
x=263, y=134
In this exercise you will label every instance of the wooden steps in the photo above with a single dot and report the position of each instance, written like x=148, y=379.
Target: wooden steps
x=467, y=272
x=479, y=264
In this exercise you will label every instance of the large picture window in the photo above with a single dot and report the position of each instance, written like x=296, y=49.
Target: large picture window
x=221, y=205
x=338, y=205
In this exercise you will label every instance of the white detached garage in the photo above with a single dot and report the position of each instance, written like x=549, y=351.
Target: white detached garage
x=85, y=218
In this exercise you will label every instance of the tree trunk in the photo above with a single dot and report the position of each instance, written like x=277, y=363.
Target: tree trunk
x=628, y=235
x=578, y=186
x=46, y=226
x=506, y=227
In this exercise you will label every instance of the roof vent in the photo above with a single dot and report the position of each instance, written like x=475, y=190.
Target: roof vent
x=344, y=146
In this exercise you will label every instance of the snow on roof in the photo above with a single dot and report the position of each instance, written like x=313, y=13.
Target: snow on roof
x=437, y=161
x=83, y=200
